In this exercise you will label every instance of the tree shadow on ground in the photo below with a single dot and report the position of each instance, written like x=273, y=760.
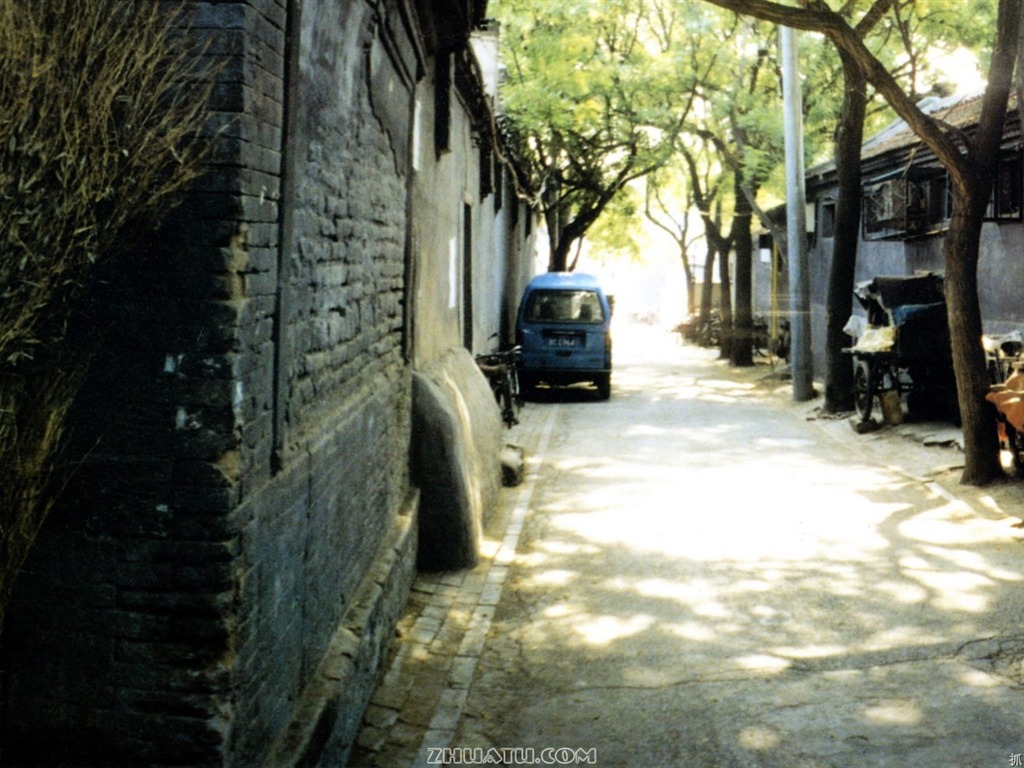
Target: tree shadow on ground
x=715, y=558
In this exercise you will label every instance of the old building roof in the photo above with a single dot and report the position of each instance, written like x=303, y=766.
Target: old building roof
x=898, y=145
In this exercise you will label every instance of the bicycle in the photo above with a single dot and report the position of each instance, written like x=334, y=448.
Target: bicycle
x=760, y=337
x=502, y=371
x=1003, y=353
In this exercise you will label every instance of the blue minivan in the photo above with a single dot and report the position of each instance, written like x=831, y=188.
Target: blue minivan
x=563, y=329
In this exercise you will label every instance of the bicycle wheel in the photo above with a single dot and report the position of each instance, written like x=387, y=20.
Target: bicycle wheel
x=517, y=393
x=863, y=390
x=1015, y=442
x=509, y=411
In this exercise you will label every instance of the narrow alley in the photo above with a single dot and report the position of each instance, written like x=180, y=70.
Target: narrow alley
x=699, y=573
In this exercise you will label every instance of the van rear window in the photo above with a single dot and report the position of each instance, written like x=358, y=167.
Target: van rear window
x=564, y=307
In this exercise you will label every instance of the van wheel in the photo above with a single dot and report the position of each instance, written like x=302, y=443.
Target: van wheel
x=527, y=386
x=604, y=386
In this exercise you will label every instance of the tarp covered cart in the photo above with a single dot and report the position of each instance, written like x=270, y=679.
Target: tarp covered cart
x=903, y=354
x=1005, y=358
x=1008, y=398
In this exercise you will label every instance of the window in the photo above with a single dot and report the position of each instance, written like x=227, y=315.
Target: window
x=885, y=205
x=564, y=307
x=928, y=205
x=499, y=183
x=827, y=219
x=443, y=104
x=1005, y=204
x=918, y=202
x=486, y=169
x=903, y=207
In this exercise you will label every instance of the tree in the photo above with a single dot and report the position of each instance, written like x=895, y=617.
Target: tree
x=670, y=214
x=914, y=32
x=617, y=233
x=754, y=133
x=100, y=109
x=839, y=302
x=695, y=39
x=594, y=105
x=970, y=162
x=740, y=121
x=705, y=188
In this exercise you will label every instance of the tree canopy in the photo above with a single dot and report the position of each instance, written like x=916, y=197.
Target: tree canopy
x=594, y=103
x=604, y=92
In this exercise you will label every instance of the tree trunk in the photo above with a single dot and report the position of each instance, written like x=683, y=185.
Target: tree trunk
x=725, y=303
x=838, y=367
x=691, y=283
x=741, y=347
x=972, y=186
x=708, y=286
x=559, y=259
x=981, y=442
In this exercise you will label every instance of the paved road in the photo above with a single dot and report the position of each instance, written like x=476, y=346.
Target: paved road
x=703, y=577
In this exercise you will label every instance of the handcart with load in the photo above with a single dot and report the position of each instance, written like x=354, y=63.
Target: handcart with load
x=903, y=353
x=1005, y=357
x=1008, y=398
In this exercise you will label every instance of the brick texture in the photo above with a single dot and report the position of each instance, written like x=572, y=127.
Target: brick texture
x=245, y=429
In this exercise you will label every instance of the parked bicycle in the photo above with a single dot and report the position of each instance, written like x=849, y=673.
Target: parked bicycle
x=760, y=335
x=1003, y=354
x=502, y=372
x=781, y=342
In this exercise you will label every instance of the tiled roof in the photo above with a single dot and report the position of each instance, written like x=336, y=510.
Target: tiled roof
x=962, y=111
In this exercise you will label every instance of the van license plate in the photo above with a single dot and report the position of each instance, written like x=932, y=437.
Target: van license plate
x=563, y=342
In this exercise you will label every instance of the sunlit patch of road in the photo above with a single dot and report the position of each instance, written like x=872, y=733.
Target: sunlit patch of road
x=693, y=544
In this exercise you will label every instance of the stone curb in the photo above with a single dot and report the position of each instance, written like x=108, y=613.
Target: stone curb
x=419, y=702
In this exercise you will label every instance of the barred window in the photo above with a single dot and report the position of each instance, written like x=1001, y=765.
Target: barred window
x=1005, y=203
x=903, y=207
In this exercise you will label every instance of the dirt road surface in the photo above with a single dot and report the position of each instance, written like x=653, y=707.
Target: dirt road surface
x=698, y=573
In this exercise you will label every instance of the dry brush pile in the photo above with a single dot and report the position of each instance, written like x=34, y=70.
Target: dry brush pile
x=102, y=104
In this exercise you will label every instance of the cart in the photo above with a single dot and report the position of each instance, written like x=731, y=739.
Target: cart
x=1008, y=398
x=904, y=357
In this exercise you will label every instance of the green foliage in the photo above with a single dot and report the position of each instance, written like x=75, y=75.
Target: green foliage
x=618, y=232
x=916, y=38
x=597, y=89
x=595, y=102
x=100, y=110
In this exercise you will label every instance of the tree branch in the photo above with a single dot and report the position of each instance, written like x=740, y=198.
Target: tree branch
x=829, y=23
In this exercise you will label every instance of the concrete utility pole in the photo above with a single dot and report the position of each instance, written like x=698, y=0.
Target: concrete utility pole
x=796, y=222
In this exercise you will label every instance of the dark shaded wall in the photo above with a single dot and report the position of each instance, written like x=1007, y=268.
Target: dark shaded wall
x=241, y=528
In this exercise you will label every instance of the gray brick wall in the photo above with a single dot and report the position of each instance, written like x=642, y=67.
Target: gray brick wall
x=245, y=427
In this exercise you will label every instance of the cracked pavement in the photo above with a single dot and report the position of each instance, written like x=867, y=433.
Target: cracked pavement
x=702, y=574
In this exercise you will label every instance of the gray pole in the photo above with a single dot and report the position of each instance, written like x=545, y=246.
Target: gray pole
x=796, y=222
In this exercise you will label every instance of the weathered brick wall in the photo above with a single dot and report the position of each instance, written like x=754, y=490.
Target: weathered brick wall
x=343, y=392
x=469, y=256
x=246, y=424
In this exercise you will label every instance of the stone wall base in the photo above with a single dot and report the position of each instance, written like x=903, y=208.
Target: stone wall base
x=457, y=437
x=327, y=718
